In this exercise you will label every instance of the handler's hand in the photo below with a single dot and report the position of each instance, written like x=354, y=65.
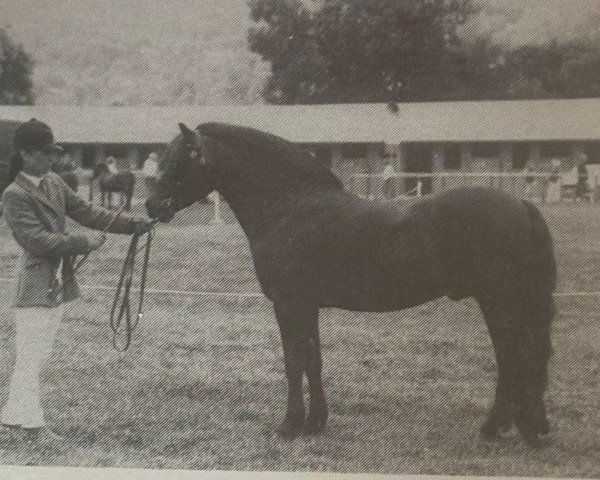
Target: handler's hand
x=96, y=240
x=142, y=225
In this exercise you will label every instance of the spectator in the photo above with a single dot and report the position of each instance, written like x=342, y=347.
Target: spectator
x=553, y=189
x=581, y=188
x=529, y=181
x=150, y=172
x=112, y=165
x=389, y=174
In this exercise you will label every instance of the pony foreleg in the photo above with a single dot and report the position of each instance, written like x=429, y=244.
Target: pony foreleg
x=317, y=416
x=294, y=320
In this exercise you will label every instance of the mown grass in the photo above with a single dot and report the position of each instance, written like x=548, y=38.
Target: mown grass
x=203, y=385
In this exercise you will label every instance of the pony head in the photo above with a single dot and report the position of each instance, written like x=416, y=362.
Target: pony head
x=185, y=177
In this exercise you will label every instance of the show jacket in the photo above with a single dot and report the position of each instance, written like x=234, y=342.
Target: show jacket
x=37, y=221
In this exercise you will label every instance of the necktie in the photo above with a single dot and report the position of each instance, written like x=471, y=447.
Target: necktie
x=44, y=187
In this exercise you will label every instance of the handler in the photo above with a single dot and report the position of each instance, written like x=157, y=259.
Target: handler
x=35, y=206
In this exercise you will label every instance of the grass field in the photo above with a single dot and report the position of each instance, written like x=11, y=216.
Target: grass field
x=203, y=385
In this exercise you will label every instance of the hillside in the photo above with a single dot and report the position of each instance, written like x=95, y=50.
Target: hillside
x=117, y=52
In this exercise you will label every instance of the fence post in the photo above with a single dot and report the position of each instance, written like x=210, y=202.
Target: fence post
x=420, y=188
x=91, y=187
x=217, y=220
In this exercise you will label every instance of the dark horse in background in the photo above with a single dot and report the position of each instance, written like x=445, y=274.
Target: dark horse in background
x=314, y=246
x=109, y=183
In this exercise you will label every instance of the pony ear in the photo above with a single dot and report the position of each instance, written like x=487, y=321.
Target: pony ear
x=185, y=130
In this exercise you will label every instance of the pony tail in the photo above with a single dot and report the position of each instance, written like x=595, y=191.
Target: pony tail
x=9, y=170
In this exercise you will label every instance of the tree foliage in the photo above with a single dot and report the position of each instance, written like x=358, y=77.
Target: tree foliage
x=357, y=50
x=122, y=73
x=15, y=73
x=342, y=51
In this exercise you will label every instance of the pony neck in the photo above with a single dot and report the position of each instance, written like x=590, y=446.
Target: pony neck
x=256, y=209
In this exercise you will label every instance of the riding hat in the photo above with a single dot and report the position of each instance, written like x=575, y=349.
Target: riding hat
x=35, y=135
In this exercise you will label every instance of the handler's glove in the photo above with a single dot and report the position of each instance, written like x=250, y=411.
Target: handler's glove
x=142, y=225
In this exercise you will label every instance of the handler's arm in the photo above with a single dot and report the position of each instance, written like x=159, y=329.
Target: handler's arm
x=94, y=217
x=31, y=234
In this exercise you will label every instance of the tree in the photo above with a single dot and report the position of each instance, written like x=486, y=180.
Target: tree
x=358, y=50
x=15, y=73
x=342, y=51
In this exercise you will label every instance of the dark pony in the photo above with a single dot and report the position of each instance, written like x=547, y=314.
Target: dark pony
x=315, y=246
x=109, y=183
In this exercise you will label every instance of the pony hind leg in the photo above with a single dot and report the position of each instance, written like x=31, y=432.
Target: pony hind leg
x=532, y=420
x=519, y=333
x=500, y=323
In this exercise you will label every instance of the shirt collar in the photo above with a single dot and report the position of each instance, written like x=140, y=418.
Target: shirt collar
x=33, y=179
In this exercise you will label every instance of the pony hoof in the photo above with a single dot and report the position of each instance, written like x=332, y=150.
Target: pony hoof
x=289, y=429
x=315, y=425
x=534, y=441
x=489, y=432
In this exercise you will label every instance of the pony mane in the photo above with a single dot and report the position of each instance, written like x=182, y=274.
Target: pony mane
x=272, y=152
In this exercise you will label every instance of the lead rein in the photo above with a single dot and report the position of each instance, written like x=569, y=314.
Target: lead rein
x=121, y=307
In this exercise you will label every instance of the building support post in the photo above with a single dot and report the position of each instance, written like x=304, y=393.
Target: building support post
x=76, y=152
x=133, y=157
x=535, y=156
x=99, y=154
x=505, y=164
x=375, y=183
x=398, y=155
x=438, y=165
x=337, y=165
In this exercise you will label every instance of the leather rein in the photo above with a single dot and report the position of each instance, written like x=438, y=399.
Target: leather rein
x=122, y=323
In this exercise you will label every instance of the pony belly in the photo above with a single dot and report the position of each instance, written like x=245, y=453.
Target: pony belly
x=380, y=305
x=382, y=297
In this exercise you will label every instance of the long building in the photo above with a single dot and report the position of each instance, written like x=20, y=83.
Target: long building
x=353, y=139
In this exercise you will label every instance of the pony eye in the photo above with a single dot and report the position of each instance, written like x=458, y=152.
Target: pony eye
x=194, y=154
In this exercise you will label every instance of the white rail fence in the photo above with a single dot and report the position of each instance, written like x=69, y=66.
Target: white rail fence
x=540, y=187
x=543, y=187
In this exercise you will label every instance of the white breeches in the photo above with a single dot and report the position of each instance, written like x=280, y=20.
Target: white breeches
x=35, y=332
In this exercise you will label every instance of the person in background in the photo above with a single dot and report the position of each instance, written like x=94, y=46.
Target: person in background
x=529, y=181
x=553, y=188
x=112, y=165
x=36, y=203
x=150, y=172
x=388, y=181
x=581, y=189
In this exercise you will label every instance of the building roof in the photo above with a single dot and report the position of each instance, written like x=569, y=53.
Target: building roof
x=364, y=123
x=496, y=121
x=306, y=124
